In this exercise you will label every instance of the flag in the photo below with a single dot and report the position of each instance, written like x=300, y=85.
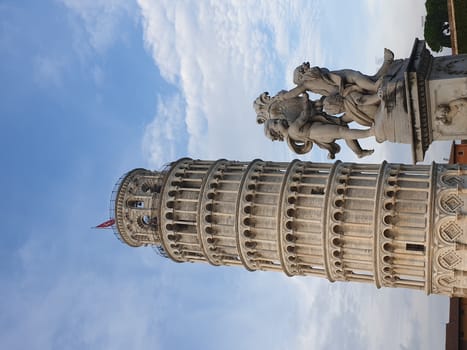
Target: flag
x=106, y=224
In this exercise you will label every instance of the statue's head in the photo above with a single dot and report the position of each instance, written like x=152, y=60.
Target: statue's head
x=261, y=106
x=305, y=72
x=275, y=129
x=300, y=72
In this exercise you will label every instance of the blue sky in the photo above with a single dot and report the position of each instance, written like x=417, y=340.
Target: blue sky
x=93, y=88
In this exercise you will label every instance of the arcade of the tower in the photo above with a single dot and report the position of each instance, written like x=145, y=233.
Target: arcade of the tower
x=392, y=225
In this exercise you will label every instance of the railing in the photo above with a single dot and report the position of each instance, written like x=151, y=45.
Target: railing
x=160, y=251
x=113, y=199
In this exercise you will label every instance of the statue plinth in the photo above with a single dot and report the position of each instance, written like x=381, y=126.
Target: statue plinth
x=403, y=114
x=424, y=99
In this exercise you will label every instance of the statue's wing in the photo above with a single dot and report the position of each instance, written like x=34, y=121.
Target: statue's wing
x=299, y=147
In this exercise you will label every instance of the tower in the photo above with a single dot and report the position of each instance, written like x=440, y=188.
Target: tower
x=392, y=225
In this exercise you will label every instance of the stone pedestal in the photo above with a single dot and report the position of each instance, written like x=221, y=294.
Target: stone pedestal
x=424, y=99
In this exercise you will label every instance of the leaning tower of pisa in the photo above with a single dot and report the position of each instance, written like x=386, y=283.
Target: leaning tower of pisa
x=392, y=225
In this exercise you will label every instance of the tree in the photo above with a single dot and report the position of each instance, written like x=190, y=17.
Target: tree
x=436, y=31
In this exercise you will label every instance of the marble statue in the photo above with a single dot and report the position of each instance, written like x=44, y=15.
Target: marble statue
x=312, y=126
x=325, y=82
x=292, y=116
x=302, y=122
x=415, y=101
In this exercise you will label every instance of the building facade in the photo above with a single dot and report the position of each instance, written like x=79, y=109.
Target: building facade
x=391, y=225
x=458, y=153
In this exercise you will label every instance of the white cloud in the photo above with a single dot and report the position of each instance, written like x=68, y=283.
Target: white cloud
x=358, y=316
x=221, y=56
x=164, y=137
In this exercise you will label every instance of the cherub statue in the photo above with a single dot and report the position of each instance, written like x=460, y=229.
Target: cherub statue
x=275, y=108
x=268, y=107
x=344, y=90
x=325, y=82
x=312, y=127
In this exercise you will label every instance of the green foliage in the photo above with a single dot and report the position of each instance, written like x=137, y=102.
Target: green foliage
x=436, y=29
x=460, y=7
x=437, y=7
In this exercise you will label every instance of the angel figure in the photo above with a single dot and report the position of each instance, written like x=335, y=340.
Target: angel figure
x=307, y=129
x=325, y=82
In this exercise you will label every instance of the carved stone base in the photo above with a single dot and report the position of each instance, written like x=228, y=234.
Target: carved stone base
x=436, y=96
x=424, y=100
x=448, y=97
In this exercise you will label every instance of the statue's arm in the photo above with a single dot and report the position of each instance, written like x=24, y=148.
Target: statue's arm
x=296, y=91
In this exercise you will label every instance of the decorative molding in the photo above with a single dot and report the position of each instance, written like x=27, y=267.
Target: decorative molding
x=450, y=231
